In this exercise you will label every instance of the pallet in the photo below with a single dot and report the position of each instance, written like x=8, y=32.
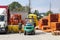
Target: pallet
x=56, y=33
x=49, y=30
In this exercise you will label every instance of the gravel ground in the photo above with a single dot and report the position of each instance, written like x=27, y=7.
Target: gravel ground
x=39, y=36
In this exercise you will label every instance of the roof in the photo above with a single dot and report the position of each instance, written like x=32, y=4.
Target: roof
x=4, y=7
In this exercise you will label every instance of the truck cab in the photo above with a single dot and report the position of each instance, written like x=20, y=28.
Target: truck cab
x=3, y=20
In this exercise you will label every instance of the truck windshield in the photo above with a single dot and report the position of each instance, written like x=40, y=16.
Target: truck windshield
x=1, y=17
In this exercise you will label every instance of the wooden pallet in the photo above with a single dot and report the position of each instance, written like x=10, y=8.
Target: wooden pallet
x=56, y=33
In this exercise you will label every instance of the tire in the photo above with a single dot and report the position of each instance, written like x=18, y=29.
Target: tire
x=5, y=32
x=25, y=33
x=33, y=32
x=6, y=29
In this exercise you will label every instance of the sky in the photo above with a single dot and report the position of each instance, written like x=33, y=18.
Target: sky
x=40, y=5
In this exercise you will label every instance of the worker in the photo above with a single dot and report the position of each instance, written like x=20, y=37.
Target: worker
x=33, y=21
x=20, y=27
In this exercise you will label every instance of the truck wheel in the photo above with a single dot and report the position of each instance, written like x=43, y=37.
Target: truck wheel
x=6, y=30
x=24, y=32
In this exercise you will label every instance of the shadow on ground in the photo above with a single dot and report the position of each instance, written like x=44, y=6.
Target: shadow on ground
x=7, y=33
x=39, y=33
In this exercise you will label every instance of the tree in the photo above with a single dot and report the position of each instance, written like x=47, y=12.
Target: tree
x=14, y=6
x=49, y=12
x=27, y=8
x=36, y=12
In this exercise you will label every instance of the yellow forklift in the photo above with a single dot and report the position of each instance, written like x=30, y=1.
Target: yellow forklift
x=34, y=16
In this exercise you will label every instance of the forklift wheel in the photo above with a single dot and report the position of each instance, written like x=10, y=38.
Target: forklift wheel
x=33, y=33
x=24, y=32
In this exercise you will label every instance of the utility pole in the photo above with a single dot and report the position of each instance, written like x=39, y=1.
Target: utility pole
x=50, y=6
x=29, y=7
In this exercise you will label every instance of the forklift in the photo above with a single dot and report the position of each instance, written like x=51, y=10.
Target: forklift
x=29, y=27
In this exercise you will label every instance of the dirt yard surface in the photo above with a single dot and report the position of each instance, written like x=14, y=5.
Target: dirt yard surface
x=38, y=36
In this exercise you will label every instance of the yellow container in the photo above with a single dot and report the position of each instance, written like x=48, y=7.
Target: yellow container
x=13, y=28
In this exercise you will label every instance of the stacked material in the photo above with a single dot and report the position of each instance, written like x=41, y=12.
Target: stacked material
x=15, y=19
x=53, y=17
x=44, y=24
x=58, y=26
x=56, y=33
x=50, y=23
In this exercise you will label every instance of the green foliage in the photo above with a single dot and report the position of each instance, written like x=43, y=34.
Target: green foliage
x=39, y=17
x=36, y=12
x=49, y=12
x=26, y=8
x=15, y=6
